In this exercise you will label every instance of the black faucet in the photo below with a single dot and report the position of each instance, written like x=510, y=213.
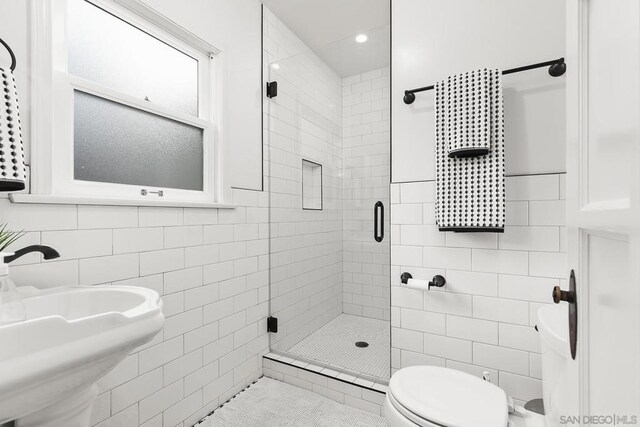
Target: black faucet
x=47, y=252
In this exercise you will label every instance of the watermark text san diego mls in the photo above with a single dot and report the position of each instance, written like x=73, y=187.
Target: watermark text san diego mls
x=593, y=420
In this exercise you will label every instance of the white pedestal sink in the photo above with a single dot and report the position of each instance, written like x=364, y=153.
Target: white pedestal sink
x=50, y=362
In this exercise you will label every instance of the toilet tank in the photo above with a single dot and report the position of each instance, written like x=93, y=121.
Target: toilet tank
x=559, y=387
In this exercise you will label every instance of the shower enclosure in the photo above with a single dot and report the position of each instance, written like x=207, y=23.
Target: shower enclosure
x=328, y=142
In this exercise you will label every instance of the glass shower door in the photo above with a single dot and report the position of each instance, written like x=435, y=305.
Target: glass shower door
x=328, y=148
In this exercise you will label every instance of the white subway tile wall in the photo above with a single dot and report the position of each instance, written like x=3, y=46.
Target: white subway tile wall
x=482, y=320
x=215, y=330
x=366, y=144
x=303, y=122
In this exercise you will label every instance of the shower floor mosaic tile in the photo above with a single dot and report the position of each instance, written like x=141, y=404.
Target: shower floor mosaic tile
x=271, y=403
x=335, y=345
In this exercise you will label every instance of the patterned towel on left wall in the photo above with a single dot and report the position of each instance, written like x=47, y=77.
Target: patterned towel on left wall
x=13, y=174
x=470, y=191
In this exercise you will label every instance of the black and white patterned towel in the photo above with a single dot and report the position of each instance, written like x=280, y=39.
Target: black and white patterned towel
x=470, y=191
x=468, y=108
x=12, y=168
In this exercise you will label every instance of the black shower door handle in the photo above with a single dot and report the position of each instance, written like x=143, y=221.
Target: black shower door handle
x=378, y=221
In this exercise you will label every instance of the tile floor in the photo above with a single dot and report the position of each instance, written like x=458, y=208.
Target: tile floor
x=334, y=345
x=272, y=403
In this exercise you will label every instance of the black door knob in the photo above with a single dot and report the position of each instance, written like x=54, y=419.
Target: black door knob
x=560, y=295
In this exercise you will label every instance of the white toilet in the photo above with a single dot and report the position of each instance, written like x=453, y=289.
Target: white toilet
x=431, y=396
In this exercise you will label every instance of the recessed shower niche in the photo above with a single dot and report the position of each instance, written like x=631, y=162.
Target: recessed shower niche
x=311, y=185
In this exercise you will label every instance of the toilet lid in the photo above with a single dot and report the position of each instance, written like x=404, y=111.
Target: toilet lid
x=450, y=398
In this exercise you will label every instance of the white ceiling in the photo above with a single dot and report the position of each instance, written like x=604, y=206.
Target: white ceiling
x=329, y=27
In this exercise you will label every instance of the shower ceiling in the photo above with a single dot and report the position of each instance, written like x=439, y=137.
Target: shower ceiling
x=329, y=27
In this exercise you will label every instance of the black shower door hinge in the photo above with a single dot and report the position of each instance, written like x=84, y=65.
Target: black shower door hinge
x=272, y=89
x=272, y=324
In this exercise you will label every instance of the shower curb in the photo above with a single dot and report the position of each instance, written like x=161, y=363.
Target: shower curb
x=308, y=376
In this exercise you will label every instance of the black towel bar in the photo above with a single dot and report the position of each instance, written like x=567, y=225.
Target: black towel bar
x=557, y=67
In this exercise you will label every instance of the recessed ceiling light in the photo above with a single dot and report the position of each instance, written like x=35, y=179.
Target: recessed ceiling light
x=361, y=38
x=275, y=66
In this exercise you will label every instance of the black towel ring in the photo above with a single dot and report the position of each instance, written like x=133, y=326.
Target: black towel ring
x=13, y=57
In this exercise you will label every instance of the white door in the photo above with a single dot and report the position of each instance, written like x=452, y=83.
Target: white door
x=603, y=194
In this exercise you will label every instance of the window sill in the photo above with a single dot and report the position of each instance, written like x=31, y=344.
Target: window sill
x=74, y=200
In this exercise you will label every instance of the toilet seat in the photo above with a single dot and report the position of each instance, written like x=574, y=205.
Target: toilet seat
x=435, y=396
x=398, y=416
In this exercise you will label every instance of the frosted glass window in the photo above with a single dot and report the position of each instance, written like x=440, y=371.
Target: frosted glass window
x=115, y=143
x=311, y=185
x=107, y=50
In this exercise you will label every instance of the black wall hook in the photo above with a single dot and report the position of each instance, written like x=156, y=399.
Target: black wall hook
x=13, y=56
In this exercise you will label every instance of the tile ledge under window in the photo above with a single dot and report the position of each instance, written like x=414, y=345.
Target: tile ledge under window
x=74, y=200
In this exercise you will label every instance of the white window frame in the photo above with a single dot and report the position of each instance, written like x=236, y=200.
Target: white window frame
x=52, y=147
